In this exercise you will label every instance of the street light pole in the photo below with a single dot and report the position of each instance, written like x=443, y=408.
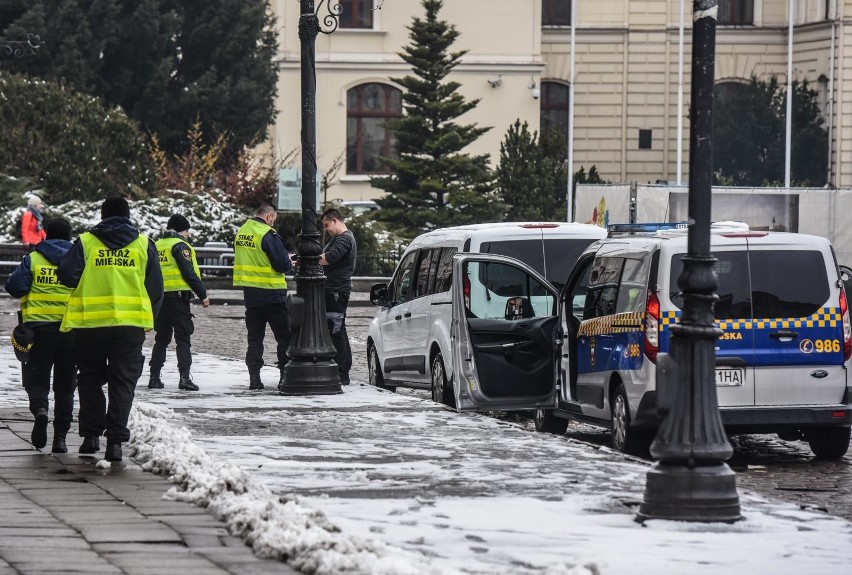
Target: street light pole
x=691, y=481
x=311, y=369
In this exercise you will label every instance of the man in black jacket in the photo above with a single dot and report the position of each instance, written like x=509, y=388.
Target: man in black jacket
x=181, y=277
x=118, y=290
x=260, y=260
x=338, y=260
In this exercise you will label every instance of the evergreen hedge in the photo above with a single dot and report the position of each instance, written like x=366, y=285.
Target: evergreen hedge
x=71, y=145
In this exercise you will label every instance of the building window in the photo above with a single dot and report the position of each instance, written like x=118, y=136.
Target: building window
x=554, y=109
x=736, y=12
x=368, y=108
x=645, y=137
x=725, y=92
x=555, y=12
x=356, y=13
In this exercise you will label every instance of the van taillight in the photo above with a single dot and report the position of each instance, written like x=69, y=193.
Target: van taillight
x=466, y=291
x=652, y=327
x=847, y=327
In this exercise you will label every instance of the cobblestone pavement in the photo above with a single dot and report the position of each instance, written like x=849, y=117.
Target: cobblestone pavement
x=763, y=463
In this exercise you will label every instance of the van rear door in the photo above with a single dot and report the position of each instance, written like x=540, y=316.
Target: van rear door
x=735, y=384
x=503, y=334
x=798, y=328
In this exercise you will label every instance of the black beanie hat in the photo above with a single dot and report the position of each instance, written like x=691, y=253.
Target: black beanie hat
x=115, y=206
x=58, y=229
x=178, y=223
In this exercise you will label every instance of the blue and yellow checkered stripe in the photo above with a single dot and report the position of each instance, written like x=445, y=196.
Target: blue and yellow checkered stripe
x=825, y=317
x=618, y=323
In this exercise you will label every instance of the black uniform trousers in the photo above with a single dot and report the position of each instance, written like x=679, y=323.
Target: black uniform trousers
x=257, y=317
x=110, y=356
x=52, y=351
x=174, y=317
x=338, y=301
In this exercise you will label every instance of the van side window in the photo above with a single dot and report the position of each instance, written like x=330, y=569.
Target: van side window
x=579, y=291
x=444, y=273
x=633, y=291
x=399, y=290
x=602, y=294
x=424, y=279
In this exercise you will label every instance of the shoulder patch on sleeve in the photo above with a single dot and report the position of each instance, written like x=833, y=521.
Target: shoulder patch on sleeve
x=186, y=254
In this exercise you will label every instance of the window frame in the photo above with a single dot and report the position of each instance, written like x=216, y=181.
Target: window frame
x=345, y=25
x=739, y=13
x=548, y=8
x=361, y=113
x=548, y=106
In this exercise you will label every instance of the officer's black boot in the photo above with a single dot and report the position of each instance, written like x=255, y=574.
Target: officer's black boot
x=281, y=381
x=91, y=444
x=254, y=380
x=186, y=382
x=154, y=382
x=59, y=444
x=113, y=451
x=39, y=434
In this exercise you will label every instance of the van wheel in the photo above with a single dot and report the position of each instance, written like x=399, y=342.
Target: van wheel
x=546, y=422
x=375, y=370
x=440, y=391
x=828, y=442
x=625, y=438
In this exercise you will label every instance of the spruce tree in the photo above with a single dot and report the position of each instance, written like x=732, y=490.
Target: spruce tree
x=749, y=136
x=532, y=174
x=433, y=183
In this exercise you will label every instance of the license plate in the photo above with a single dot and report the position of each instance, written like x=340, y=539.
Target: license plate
x=729, y=377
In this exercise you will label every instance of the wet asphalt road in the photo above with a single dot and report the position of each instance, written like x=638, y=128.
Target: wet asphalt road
x=763, y=463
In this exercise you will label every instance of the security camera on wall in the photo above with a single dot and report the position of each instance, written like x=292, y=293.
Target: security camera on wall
x=536, y=93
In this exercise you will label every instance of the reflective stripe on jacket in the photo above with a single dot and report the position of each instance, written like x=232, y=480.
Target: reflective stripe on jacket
x=252, y=267
x=172, y=278
x=47, y=298
x=112, y=289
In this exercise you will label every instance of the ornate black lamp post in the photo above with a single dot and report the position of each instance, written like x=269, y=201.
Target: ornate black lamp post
x=19, y=48
x=311, y=369
x=691, y=481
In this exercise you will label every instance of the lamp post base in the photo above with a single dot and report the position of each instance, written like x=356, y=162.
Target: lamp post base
x=309, y=378
x=681, y=493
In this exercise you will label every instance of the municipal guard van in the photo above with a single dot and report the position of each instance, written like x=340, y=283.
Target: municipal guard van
x=781, y=358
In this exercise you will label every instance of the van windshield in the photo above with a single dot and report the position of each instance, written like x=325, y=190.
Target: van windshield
x=555, y=261
x=771, y=290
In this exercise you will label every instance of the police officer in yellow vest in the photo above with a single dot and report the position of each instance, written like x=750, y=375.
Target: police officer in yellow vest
x=181, y=277
x=118, y=290
x=43, y=302
x=260, y=260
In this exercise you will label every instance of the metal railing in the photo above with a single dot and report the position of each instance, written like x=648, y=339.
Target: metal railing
x=212, y=260
x=218, y=260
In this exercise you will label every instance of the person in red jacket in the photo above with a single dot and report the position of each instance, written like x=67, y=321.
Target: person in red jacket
x=32, y=224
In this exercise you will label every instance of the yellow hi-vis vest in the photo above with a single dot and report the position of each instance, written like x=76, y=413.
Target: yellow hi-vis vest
x=252, y=267
x=112, y=290
x=47, y=298
x=172, y=278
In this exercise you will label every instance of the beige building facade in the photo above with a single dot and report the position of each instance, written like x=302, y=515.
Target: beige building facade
x=518, y=64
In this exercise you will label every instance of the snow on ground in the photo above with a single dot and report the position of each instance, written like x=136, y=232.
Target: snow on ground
x=375, y=482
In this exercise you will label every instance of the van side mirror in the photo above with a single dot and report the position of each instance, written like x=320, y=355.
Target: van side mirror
x=518, y=308
x=379, y=294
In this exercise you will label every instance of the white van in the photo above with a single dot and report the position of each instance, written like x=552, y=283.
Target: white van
x=408, y=344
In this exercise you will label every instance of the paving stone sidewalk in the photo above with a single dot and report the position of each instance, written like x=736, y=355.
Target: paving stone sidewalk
x=62, y=514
